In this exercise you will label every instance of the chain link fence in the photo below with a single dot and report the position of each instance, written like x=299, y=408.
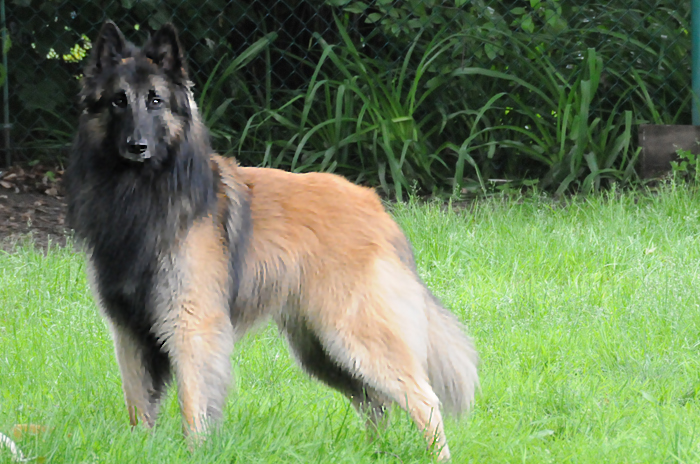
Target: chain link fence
x=642, y=46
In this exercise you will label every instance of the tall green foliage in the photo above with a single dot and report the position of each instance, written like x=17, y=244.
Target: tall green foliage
x=441, y=96
x=544, y=90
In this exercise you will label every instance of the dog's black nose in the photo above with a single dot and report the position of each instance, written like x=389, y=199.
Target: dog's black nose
x=137, y=147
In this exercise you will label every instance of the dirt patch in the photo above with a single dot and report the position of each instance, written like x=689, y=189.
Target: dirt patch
x=31, y=205
x=38, y=215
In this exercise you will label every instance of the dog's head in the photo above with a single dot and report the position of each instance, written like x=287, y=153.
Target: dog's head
x=137, y=102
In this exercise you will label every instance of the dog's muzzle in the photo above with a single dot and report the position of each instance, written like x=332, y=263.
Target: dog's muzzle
x=137, y=150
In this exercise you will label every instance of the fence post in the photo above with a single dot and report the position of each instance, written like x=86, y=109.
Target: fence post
x=695, y=45
x=5, y=90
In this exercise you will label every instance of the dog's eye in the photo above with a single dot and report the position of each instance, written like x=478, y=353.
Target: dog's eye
x=119, y=101
x=154, y=101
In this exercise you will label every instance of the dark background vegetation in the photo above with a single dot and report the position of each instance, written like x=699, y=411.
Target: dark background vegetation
x=416, y=95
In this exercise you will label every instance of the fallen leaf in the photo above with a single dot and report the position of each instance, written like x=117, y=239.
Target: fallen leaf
x=10, y=176
x=6, y=185
x=52, y=191
x=21, y=430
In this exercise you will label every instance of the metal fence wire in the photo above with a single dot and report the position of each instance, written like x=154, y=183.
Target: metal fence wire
x=488, y=47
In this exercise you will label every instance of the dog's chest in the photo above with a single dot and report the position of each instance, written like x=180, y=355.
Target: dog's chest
x=124, y=294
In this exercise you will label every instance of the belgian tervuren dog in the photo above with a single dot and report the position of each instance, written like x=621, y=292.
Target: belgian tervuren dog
x=187, y=250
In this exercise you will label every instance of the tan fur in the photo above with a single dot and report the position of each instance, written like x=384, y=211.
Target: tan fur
x=195, y=325
x=324, y=250
x=97, y=126
x=135, y=382
x=173, y=123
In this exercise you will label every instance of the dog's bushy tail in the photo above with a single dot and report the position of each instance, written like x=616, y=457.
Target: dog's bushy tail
x=452, y=359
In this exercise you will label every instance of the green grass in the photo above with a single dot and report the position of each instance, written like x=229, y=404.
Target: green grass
x=586, y=315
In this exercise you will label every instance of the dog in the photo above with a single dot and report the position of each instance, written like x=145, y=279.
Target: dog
x=187, y=251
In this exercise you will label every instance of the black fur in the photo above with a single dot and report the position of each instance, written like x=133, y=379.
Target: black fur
x=156, y=363
x=316, y=360
x=236, y=220
x=129, y=214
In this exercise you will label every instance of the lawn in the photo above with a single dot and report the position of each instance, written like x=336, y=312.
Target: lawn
x=586, y=314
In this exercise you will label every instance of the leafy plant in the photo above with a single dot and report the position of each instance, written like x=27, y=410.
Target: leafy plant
x=686, y=167
x=221, y=88
x=359, y=103
x=543, y=43
x=559, y=130
x=396, y=139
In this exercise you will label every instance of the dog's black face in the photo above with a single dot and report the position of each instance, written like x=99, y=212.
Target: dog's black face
x=138, y=114
x=136, y=102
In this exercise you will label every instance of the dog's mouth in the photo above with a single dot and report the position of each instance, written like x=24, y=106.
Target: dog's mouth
x=137, y=158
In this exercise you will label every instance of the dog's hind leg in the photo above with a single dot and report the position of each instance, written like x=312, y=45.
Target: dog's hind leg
x=314, y=359
x=379, y=337
x=371, y=405
x=373, y=351
x=145, y=372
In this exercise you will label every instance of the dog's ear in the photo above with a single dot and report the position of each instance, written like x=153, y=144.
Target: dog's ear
x=164, y=50
x=108, y=49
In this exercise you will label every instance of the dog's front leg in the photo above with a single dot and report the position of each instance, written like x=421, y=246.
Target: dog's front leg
x=195, y=324
x=200, y=354
x=144, y=367
x=144, y=371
